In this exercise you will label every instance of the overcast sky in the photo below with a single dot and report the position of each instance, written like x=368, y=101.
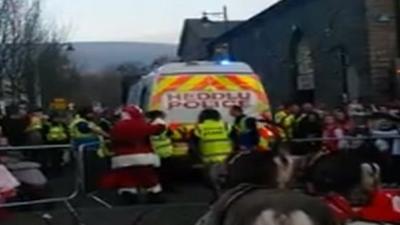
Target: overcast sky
x=139, y=20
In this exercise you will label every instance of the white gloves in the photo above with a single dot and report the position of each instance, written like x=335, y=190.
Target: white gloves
x=159, y=121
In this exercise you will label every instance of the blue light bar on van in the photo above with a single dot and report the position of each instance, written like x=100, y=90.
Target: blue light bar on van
x=225, y=62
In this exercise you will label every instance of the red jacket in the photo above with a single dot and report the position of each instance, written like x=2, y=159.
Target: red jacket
x=134, y=161
x=131, y=143
x=332, y=132
x=384, y=207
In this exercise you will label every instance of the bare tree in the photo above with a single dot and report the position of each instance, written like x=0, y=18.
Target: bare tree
x=23, y=37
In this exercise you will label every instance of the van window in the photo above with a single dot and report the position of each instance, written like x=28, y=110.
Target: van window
x=134, y=93
x=143, y=98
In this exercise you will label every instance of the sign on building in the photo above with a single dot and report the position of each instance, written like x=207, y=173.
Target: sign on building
x=305, y=67
x=305, y=82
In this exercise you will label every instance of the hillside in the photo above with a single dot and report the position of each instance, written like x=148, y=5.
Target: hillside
x=92, y=57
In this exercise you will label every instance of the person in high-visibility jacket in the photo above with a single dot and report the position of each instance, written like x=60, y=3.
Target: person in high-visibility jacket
x=212, y=133
x=270, y=132
x=180, y=136
x=35, y=128
x=244, y=135
x=280, y=114
x=87, y=135
x=290, y=121
x=82, y=128
x=56, y=133
x=163, y=147
x=162, y=143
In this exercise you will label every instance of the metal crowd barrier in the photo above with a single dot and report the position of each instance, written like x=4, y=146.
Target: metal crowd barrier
x=41, y=201
x=79, y=182
x=345, y=138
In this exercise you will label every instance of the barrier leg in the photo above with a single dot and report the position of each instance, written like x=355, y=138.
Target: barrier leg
x=75, y=215
x=100, y=200
x=82, y=178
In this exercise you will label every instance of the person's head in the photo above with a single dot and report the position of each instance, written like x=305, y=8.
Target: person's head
x=259, y=168
x=383, y=109
x=55, y=117
x=340, y=115
x=266, y=114
x=294, y=109
x=337, y=172
x=355, y=101
x=312, y=117
x=132, y=112
x=155, y=114
x=236, y=111
x=37, y=111
x=87, y=113
x=329, y=119
x=209, y=114
x=307, y=107
x=281, y=107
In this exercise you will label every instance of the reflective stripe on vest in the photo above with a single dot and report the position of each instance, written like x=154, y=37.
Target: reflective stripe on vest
x=162, y=145
x=280, y=116
x=241, y=126
x=289, y=123
x=74, y=131
x=215, y=144
x=56, y=133
x=265, y=136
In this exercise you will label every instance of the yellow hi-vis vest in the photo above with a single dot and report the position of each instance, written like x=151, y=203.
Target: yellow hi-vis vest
x=57, y=133
x=288, y=124
x=103, y=150
x=179, y=142
x=215, y=144
x=241, y=128
x=162, y=145
x=280, y=116
x=74, y=131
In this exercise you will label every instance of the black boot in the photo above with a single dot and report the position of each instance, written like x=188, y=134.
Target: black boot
x=128, y=198
x=155, y=198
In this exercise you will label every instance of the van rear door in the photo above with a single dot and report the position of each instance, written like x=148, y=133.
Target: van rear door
x=184, y=96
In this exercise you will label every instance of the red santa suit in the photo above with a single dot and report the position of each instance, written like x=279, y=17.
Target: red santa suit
x=134, y=162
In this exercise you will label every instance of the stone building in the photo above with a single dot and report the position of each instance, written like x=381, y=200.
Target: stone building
x=321, y=51
x=197, y=34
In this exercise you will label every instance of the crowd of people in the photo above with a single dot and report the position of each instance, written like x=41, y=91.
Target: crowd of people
x=130, y=151
x=26, y=172
x=372, y=130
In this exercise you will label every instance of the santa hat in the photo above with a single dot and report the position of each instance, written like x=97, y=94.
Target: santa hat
x=133, y=111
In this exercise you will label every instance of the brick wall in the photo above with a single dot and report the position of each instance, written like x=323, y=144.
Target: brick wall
x=382, y=47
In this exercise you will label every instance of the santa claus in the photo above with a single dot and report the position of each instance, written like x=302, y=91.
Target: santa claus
x=134, y=162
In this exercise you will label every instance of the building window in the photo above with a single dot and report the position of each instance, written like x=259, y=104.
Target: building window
x=143, y=98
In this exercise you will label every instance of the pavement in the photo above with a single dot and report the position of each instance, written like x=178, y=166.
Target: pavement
x=185, y=203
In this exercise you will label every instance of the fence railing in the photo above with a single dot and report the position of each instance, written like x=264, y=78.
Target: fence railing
x=78, y=183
